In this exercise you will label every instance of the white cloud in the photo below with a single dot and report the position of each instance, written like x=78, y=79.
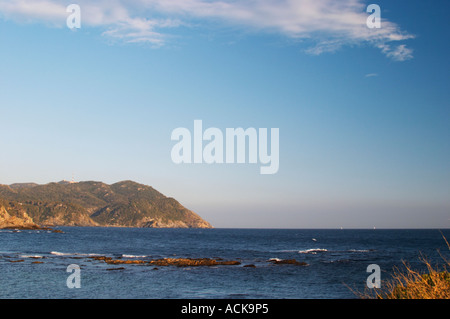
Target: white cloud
x=329, y=24
x=27, y=11
x=398, y=53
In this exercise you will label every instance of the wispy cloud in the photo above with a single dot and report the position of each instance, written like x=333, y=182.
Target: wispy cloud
x=398, y=53
x=371, y=75
x=29, y=11
x=327, y=24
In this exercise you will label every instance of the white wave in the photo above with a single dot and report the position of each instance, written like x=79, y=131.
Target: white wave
x=312, y=251
x=275, y=259
x=57, y=253
x=31, y=256
x=133, y=256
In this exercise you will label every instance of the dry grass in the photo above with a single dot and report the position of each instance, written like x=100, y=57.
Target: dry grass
x=412, y=284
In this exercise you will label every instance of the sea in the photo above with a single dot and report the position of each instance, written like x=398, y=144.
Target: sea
x=42, y=264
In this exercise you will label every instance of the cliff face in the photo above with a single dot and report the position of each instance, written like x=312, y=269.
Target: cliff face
x=124, y=204
x=8, y=221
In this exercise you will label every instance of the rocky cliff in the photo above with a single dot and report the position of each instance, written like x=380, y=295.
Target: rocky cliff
x=124, y=204
x=23, y=222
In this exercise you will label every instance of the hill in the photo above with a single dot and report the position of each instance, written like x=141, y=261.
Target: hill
x=123, y=204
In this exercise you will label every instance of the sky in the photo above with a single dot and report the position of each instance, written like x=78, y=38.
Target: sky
x=363, y=113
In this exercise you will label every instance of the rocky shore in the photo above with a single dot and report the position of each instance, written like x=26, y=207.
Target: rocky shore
x=14, y=222
x=179, y=262
x=23, y=222
x=190, y=262
x=160, y=262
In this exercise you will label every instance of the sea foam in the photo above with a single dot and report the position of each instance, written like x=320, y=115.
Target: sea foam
x=312, y=251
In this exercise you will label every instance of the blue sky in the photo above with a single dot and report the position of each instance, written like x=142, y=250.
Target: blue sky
x=363, y=114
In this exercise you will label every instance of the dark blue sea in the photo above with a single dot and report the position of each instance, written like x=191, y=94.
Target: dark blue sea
x=33, y=264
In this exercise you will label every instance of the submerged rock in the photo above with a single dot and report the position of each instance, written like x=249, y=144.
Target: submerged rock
x=288, y=262
x=179, y=262
x=188, y=262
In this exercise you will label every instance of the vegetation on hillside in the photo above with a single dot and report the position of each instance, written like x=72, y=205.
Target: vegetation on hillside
x=126, y=204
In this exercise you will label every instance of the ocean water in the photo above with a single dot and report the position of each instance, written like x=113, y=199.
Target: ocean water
x=33, y=264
